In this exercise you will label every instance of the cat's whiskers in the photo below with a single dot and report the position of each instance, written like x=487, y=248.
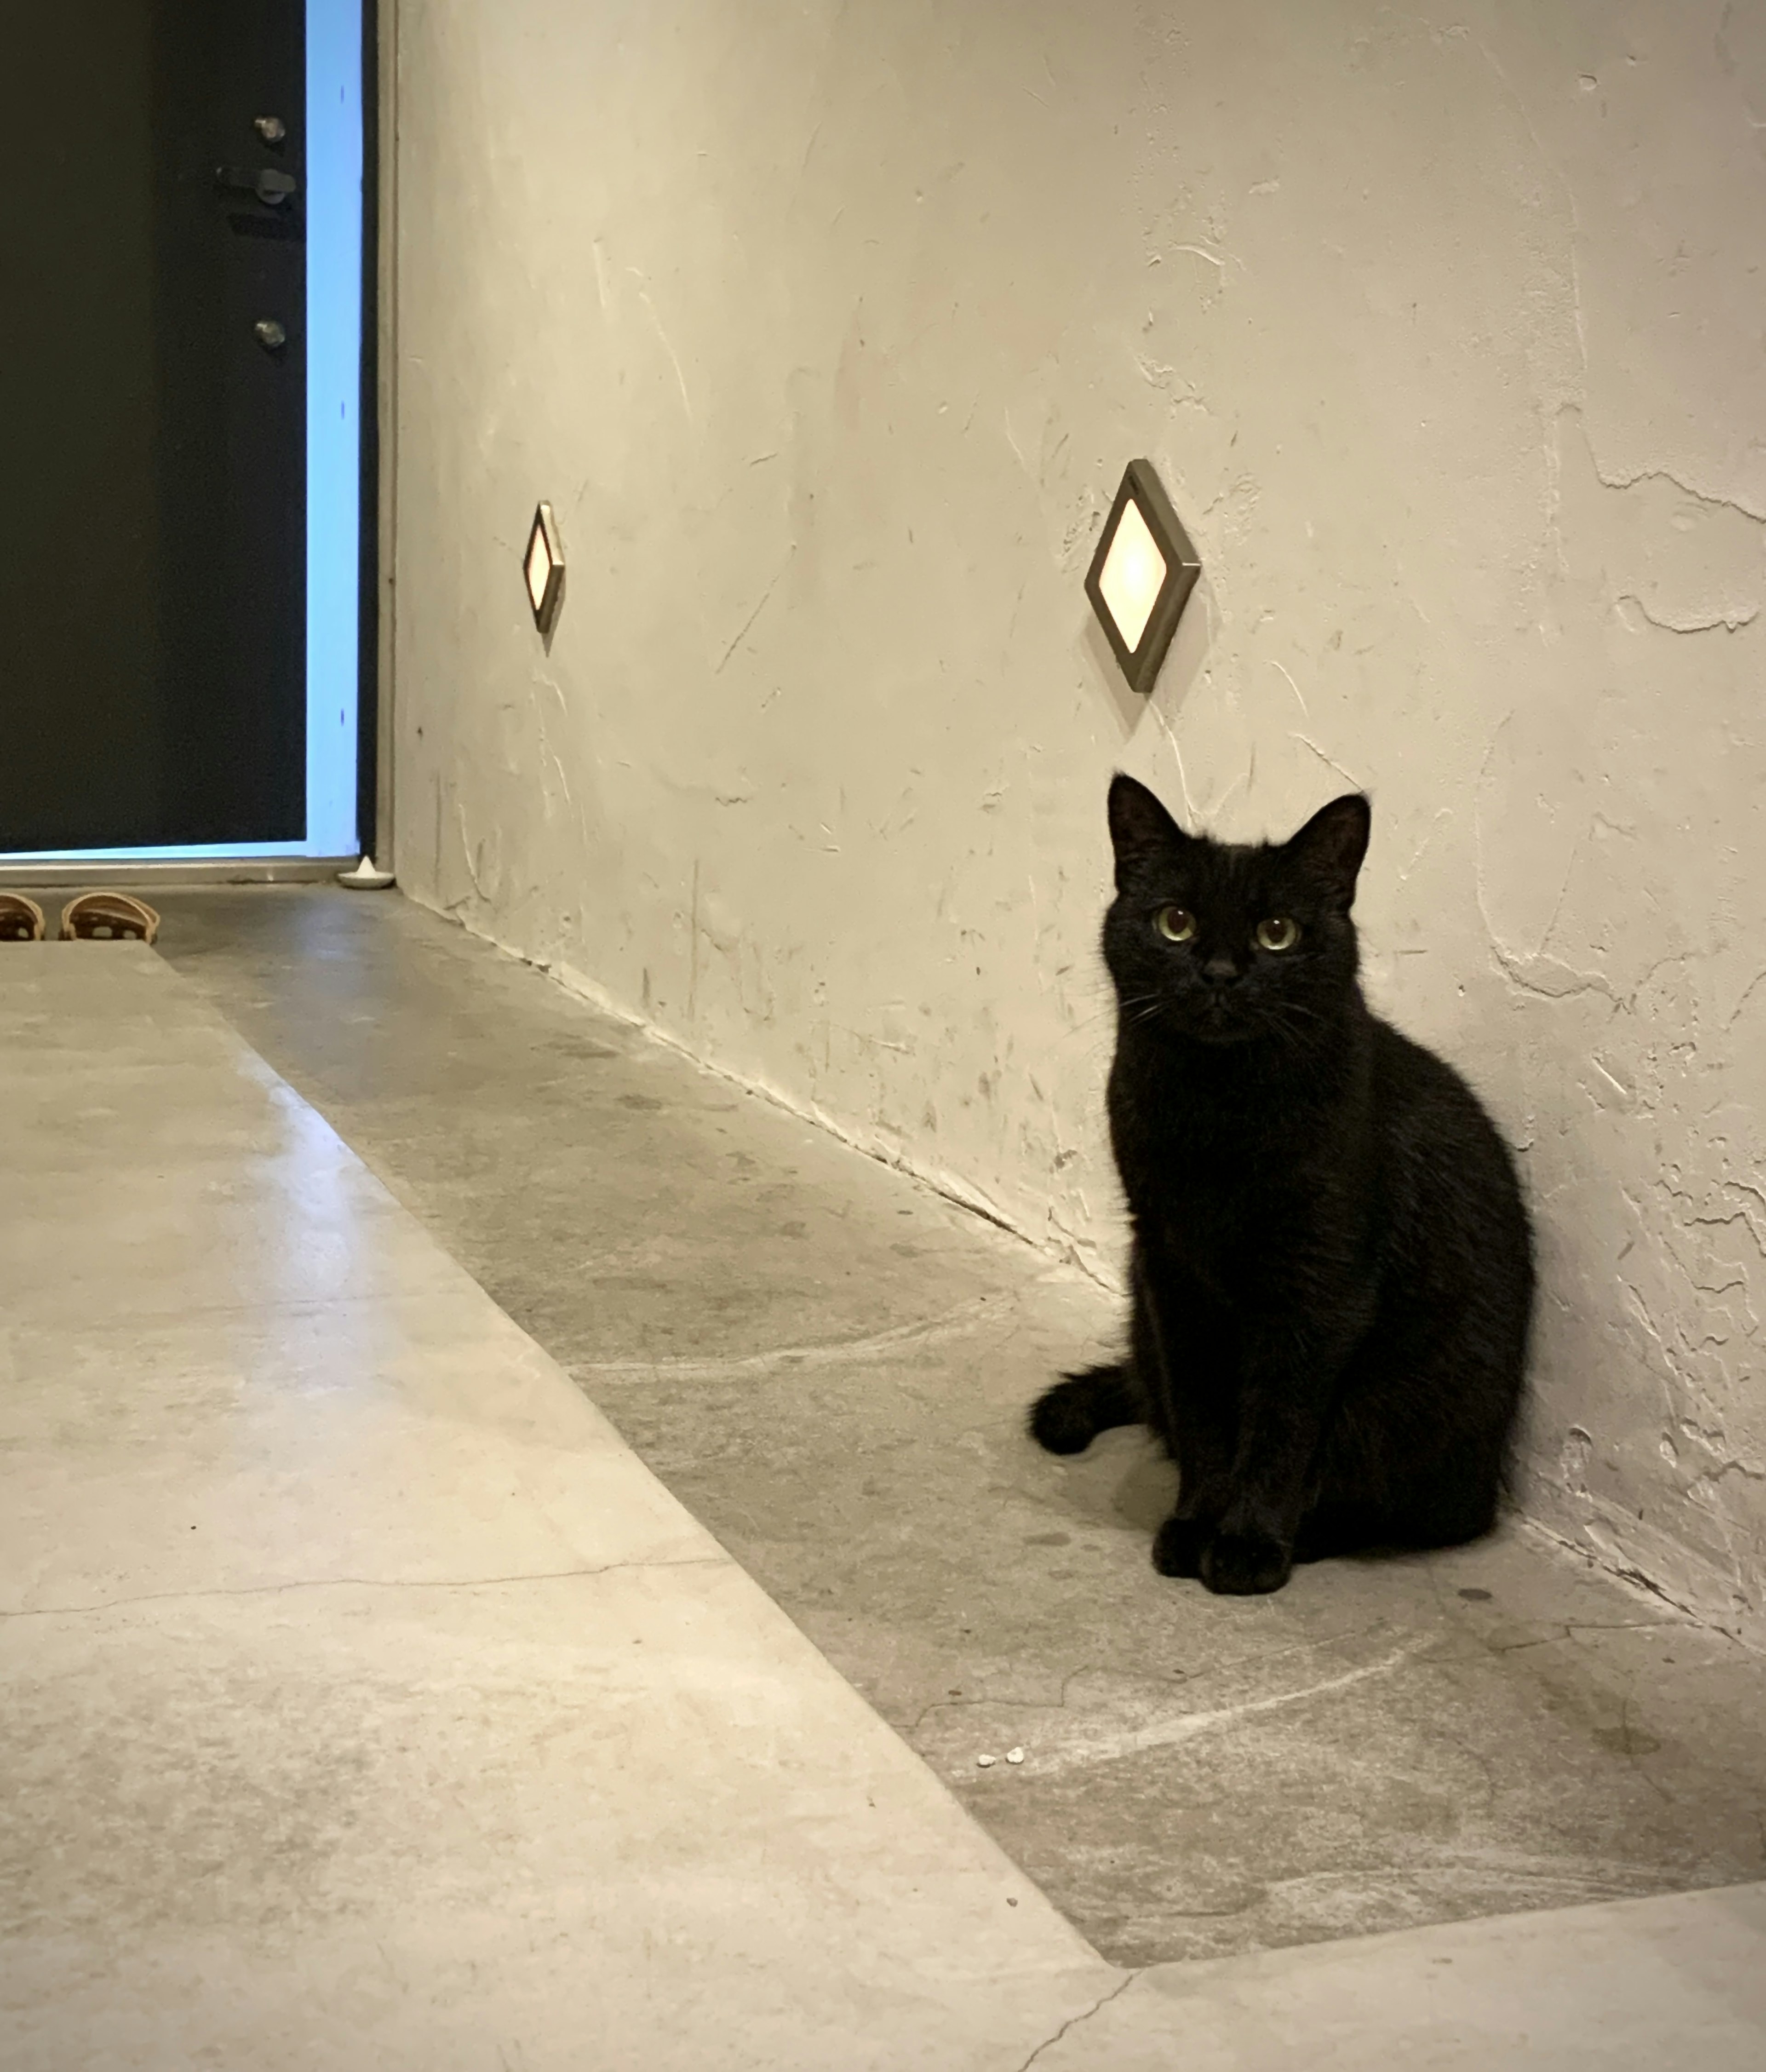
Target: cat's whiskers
x=1138, y=1007
x=1291, y=1023
x=1109, y=1010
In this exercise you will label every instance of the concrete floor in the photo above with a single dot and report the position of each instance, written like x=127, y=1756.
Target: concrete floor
x=367, y=1702
x=828, y=1367
x=369, y=1705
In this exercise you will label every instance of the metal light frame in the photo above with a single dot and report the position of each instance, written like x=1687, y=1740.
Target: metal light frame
x=1140, y=663
x=543, y=535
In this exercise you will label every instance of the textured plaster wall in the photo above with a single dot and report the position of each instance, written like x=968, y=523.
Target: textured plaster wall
x=828, y=329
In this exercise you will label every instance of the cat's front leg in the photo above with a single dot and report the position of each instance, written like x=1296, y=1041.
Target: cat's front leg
x=1185, y=1357
x=1247, y=1556
x=1178, y=1546
x=1202, y=1443
x=1288, y=1384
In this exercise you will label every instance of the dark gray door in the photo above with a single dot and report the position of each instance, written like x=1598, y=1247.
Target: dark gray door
x=153, y=460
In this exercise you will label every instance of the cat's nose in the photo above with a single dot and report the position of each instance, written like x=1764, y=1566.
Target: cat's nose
x=1220, y=969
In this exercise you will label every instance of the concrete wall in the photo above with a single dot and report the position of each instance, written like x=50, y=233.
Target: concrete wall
x=829, y=330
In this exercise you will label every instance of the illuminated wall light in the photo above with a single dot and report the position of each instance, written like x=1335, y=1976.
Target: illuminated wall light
x=544, y=566
x=1141, y=576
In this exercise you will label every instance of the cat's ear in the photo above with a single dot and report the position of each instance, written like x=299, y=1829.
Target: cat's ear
x=1140, y=828
x=1331, y=845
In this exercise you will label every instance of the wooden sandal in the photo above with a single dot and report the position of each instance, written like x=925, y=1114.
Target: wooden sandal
x=107, y=917
x=21, y=919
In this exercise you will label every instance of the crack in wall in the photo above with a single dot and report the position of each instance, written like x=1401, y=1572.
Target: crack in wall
x=1725, y=622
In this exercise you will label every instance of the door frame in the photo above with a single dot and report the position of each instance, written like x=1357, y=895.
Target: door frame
x=377, y=531
x=378, y=650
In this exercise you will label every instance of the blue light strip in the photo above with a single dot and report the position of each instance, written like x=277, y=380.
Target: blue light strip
x=334, y=438
x=213, y=852
x=334, y=350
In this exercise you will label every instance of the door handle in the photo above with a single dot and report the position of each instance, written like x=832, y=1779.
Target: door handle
x=270, y=187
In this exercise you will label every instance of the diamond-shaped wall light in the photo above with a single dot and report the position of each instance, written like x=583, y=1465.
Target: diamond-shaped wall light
x=545, y=569
x=1141, y=576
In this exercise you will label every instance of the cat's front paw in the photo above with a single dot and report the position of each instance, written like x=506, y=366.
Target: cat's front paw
x=1245, y=1564
x=1177, y=1546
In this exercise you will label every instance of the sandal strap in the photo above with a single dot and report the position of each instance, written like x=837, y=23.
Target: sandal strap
x=116, y=912
x=21, y=918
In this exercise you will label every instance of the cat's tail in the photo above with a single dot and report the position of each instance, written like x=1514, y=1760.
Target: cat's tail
x=1066, y=1418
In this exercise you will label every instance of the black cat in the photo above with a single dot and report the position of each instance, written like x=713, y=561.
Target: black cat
x=1331, y=1271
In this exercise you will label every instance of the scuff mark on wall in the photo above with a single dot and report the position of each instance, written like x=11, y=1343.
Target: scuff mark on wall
x=663, y=339
x=747, y=626
x=1727, y=622
x=1330, y=761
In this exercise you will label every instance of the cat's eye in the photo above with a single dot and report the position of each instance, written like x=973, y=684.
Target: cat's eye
x=1175, y=925
x=1278, y=934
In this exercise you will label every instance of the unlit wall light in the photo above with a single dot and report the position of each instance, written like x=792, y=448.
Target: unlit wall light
x=1141, y=576
x=544, y=569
